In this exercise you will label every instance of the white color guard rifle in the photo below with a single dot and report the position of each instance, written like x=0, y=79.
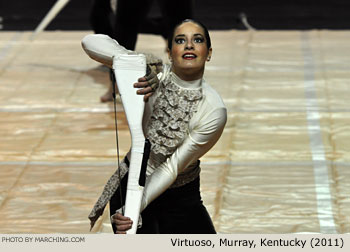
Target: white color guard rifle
x=127, y=69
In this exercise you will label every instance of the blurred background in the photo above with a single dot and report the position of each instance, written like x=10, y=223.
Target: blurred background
x=218, y=14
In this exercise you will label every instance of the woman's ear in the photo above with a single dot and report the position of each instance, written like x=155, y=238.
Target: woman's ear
x=169, y=55
x=210, y=51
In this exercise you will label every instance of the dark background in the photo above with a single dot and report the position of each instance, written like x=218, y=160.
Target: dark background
x=216, y=14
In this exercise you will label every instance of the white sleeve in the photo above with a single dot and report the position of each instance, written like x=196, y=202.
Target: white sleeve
x=200, y=140
x=102, y=48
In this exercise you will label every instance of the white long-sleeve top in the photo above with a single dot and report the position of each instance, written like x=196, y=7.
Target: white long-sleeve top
x=196, y=136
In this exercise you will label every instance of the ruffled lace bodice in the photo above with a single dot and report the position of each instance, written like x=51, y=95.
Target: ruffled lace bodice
x=173, y=108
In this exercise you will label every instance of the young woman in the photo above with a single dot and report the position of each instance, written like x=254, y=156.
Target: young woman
x=183, y=120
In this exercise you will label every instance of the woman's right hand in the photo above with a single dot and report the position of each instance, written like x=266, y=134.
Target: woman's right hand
x=148, y=84
x=122, y=223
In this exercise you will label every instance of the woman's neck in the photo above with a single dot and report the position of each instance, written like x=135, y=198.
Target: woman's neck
x=192, y=84
x=188, y=74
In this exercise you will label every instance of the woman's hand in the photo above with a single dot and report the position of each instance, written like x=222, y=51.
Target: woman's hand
x=147, y=84
x=122, y=223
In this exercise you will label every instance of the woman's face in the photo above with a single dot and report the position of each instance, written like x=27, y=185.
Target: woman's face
x=189, y=51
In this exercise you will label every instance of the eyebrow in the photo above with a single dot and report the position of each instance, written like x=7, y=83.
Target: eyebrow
x=183, y=35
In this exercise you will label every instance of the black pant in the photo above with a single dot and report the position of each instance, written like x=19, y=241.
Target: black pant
x=131, y=18
x=101, y=17
x=176, y=211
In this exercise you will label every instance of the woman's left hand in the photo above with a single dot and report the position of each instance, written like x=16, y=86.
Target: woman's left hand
x=122, y=223
x=147, y=84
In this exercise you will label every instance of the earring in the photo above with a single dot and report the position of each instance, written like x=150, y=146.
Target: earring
x=208, y=59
